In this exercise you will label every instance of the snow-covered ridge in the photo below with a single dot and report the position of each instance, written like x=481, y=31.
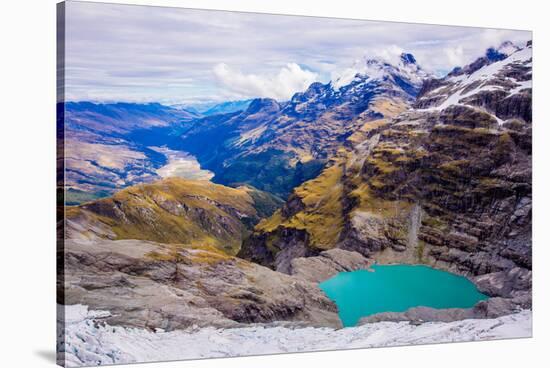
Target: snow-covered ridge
x=367, y=77
x=507, y=48
x=91, y=342
x=490, y=71
x=495, y=76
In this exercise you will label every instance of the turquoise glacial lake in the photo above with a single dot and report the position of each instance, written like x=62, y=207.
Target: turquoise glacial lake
x=396, y=288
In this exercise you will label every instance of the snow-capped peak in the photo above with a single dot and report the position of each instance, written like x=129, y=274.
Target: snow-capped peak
x=370, y=69
x=508, y=48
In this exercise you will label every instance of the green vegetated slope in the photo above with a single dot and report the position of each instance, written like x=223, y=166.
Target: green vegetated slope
x=75, y=196
x=174, y=210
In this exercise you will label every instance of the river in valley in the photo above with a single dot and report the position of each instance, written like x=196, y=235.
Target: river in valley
x=181, y=164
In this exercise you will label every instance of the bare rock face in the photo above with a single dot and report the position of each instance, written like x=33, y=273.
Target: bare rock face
x=420, y=315
x=490, y=308
x=496, y=307
x=290, y=244
x=508, y=284
x=327, y=264
x=152, y=285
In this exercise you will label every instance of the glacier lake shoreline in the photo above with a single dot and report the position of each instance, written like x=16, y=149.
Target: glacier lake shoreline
x=398, y=288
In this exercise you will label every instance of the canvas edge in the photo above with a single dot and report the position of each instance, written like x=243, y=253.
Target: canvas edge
x=60, y=182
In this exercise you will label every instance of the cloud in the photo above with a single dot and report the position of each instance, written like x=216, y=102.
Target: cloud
x=141, y=53
x=455, y=55
x=288, y=80
x=390, y=53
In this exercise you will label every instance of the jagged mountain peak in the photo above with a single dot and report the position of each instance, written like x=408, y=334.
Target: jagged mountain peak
x=505, y=49
x=403, y=68
x=407, y=58
x=258, y=104
x=508, y=48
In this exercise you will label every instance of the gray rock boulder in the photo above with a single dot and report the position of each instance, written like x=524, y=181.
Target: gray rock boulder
x=328, y=264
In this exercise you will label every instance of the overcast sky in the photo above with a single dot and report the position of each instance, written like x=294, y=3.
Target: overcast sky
x=173, y=55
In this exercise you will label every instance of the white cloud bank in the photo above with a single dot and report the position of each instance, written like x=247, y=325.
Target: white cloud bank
x=281, y=86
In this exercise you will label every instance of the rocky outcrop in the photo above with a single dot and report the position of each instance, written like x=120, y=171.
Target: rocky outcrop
x=151, y=285
x=513, y=283
x=491, y=308
x=328, y=264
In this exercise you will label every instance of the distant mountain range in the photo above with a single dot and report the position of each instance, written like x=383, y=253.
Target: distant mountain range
x=107, y=145
x=270, y=145
x=273, y=146
x=213, y=108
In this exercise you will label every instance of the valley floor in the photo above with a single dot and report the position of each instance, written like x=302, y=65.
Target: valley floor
x=91, y=342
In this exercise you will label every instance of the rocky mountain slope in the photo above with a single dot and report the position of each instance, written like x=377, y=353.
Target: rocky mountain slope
x=276, y=146
x=446, y=183
x=173, y=210
x=160, y=286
